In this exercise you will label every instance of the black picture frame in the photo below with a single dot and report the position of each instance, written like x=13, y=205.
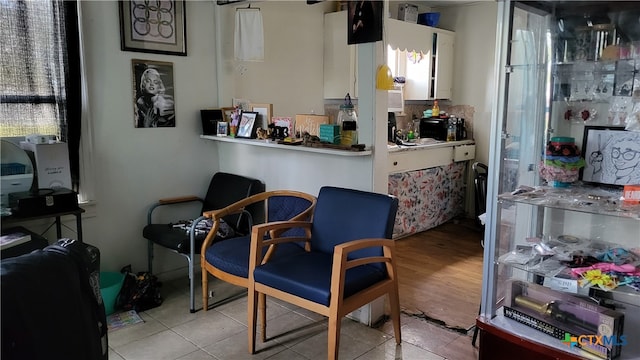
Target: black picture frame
x=161, y=29
x=612, y=156
x=247, y=126
x=153, y=94
x=210, y=119
x=364, y=21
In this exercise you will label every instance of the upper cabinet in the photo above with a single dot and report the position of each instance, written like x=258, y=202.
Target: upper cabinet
x=421, y=54
x=442, y=60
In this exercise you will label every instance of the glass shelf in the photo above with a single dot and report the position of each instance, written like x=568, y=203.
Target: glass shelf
x=578, y=198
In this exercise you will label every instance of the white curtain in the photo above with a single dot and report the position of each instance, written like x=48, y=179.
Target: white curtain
x=249, y=35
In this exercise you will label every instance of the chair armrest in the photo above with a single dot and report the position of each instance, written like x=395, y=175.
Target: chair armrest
x=171, y=201
x=235, y=208
x=216, y=215
x=179, y=199
x=274, y=229
x=342, y=251
x=341, y=264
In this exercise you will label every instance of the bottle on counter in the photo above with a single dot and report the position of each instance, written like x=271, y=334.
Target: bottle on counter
x=435, y=111
x=348, y=121
x=451, y=129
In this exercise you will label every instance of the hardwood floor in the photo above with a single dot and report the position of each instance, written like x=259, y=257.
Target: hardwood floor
x=440, y=274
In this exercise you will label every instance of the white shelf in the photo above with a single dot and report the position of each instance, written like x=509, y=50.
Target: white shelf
x=274, y=145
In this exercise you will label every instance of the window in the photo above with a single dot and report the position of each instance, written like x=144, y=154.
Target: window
x=40, y=72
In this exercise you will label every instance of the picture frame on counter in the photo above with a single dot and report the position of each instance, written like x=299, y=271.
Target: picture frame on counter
x=223, y=127
x=265, y=112
x=247, y=127
x=159, y=28
x=226, y=114
x=282, y=122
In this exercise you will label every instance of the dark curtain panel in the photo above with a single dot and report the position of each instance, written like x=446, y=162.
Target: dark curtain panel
x=74, y=96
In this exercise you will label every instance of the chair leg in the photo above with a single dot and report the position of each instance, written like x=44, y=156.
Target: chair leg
x=205, y=289
x=394, y=304
x=251, y=318
x=192, y=295
x=262, y=306
x=334, y=335
x=150, y=256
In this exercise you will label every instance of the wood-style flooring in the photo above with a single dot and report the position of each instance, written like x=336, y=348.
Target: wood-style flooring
x=440, y=274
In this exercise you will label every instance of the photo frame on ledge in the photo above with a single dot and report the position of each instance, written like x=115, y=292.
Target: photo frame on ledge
x=265, y=112
x=247, y=127
x=159, y=28
x=223, y=126
x=226, y=114
x=612, y=156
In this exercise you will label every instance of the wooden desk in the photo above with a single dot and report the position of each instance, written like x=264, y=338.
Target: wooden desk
x=13, y=219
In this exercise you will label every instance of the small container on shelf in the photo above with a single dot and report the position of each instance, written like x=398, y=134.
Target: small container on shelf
x=561, y=162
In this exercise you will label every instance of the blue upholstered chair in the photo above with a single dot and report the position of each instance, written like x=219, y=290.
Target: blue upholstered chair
x=228, y=259
x=349, y=261
x=224, y=189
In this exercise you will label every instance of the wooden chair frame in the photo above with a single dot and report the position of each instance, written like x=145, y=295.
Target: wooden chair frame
x=236, y=208
x=338, y=307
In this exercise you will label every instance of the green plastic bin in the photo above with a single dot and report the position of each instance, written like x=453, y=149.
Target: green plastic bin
x=110, y=285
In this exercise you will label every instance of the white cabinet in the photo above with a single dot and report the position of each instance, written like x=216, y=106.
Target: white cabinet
x=410, y=56
x=402, y=161
x=340, y=60
x=429, y=156
x=424, y=57
x=421, y=54
x=442, y=60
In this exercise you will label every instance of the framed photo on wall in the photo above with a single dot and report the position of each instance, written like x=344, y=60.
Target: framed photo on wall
x=153, y=26
x=153, y=98
x=364, y=22
x=612, y=156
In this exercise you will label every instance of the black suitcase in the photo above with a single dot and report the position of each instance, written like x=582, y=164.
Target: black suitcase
x=51, y=304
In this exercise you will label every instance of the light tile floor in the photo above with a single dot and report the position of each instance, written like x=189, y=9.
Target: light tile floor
x=170, y=331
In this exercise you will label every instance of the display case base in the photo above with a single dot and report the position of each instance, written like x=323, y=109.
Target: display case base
x=496, y=344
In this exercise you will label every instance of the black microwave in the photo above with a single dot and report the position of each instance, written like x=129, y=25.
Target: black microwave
x=434, y=128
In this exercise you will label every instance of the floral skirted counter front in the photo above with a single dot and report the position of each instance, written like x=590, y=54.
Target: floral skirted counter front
x=428, y=197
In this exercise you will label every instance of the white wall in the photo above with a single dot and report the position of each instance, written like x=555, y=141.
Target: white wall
x=136, y=166
x=475, y=26
x=290, y=77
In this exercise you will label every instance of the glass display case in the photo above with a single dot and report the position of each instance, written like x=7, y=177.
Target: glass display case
x=562, y=241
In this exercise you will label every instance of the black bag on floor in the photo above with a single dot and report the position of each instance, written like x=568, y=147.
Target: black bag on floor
x=139, y=291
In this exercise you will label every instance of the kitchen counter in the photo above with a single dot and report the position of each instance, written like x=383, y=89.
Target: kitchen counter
x=427, y=143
